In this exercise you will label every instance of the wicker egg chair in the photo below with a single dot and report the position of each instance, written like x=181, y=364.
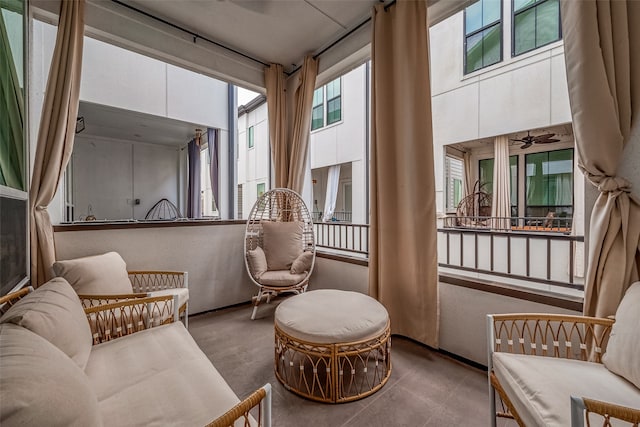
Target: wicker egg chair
x=279, y=245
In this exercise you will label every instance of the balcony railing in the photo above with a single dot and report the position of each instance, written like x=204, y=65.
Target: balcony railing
x=342, y=237
x=544, y=258
x=537, y=224
x=521, y=256
x=342, y=216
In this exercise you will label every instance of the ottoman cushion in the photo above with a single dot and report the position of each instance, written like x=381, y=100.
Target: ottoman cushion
x=331, y=316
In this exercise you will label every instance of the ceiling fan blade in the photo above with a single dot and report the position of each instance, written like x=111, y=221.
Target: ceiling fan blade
x=517, y=140
x=544, y=136
x=527, y=145
x=546, y=141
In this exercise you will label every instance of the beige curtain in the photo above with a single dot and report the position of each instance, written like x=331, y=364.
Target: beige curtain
x=402, y=260
x=56, y=134
x=602, y=53
x=501, y=198
x=290, y=138
x=468, y=175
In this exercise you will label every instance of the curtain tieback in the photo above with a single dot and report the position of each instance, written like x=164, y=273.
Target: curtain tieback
x=609, y=184
x=42, y=208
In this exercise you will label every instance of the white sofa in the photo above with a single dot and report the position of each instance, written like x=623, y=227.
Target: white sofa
x=118, y=368
x=548, y=369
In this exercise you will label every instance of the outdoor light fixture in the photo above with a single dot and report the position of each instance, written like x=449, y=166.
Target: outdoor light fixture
x=79, y=125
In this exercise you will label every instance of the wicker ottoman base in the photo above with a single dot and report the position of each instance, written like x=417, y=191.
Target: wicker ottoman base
x=333, y=372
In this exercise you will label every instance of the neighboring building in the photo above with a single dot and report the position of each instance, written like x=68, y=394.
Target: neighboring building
x=338, y=138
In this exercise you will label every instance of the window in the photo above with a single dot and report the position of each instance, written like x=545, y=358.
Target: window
x=453, y=182
x=317, y=114
x=549, y=183
x=486, y=180
x=333, y=108
x=250, y=137
x=334, y=104
x=535, y=23
x=260, y=189
x=482, y=35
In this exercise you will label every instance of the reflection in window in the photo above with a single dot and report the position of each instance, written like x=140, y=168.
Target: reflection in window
x=549, y=183
x=535, y=23
x=486, y=180
x=12, y=148
x=483, y=34
x=317, y=114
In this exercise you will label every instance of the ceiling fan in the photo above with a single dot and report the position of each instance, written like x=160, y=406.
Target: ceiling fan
x=529, y=140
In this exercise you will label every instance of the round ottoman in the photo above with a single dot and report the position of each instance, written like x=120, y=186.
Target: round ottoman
x=332, y=346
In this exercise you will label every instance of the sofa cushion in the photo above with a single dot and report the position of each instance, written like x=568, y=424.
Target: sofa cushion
x=280, y=278
x=303, y=263
x=163, y=374
x=96, y=275
x=40, y=385
x=257, y=262
x=540, y=387
x=55, y=312
x=623, y=350
x=282, y=243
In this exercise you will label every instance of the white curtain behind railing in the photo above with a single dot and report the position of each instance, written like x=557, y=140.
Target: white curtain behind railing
x=333, y=179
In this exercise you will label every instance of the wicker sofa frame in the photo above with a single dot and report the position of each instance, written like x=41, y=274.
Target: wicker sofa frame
x=143, y=283
x=120, y=318
x=560, y=336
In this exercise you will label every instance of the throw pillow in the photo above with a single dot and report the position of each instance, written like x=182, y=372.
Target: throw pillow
x=55, y=312
x=257, y=262
x=302, y=263
x=623, y=348
x=96, y=275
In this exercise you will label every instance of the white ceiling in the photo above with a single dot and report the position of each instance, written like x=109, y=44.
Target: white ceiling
x=278, y=31
x=114, y=123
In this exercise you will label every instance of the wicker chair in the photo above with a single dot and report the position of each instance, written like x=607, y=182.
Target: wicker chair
x=566, y=337
x=272, y=211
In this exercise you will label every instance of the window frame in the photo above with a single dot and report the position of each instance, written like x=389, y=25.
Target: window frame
x=573, y=177
x=465, y=36
x=513, y=27
x=321, y=106
x=251, y=137
x=339, y=79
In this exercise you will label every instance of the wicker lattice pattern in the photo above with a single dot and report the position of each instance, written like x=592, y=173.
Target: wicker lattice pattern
x=569, y=337
x=333, y=372
x=149, y=281
x=241, y=412
x=604, y=412
x=115, y=320
x=96, y=300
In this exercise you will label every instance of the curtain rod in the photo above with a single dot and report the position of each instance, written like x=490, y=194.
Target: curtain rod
x=344, y=36
x=191, y=33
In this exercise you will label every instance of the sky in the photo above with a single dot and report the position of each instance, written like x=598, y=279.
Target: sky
x=245, y=96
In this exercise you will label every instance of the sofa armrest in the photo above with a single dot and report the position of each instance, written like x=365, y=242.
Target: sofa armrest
x=572, y=337
x=261, y=397
x=96, y=300
x=603, y=410
x=117, y=319
x=149, y=281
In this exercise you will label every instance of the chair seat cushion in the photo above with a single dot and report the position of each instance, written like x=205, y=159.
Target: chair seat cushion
x=157, y=377
x=330, y=316
x=96, y=275
x=280, y=278
x=40, y=385
x=540, y=387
